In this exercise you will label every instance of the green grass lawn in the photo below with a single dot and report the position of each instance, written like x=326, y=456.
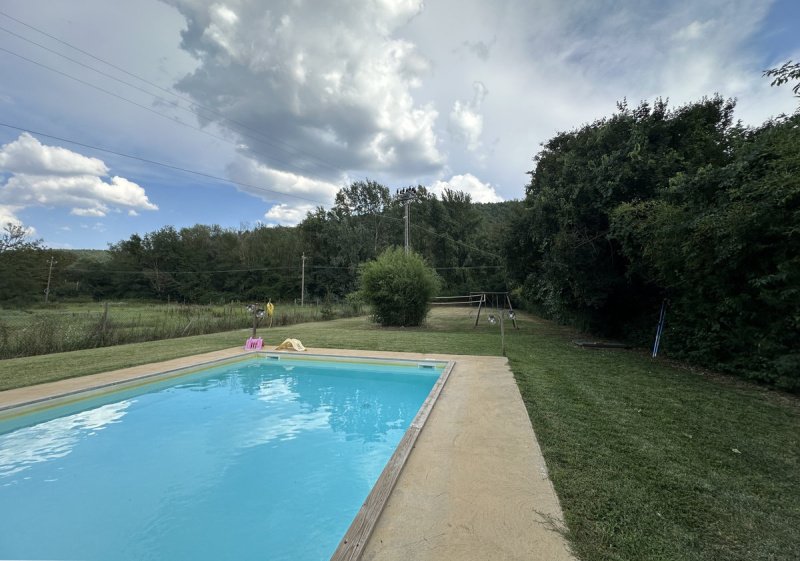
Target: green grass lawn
x=651, y=461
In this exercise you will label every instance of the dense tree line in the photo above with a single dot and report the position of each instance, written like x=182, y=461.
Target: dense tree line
x=456, y=236
x=203, y=264
x=683, y=205
x=23, y=265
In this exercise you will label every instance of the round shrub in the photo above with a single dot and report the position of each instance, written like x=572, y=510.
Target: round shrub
x=399, y=287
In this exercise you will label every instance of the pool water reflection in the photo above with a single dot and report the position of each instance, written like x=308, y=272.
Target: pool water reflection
x=258, y=459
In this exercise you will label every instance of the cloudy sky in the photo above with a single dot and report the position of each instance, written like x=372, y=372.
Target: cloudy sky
x=276, y=104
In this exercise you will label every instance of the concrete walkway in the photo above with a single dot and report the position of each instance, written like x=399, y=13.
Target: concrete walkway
x=475, y=487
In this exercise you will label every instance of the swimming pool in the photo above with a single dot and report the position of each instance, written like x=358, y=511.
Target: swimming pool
x=261, y=458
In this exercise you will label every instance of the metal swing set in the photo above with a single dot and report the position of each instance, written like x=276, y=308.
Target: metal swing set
x=496, y=300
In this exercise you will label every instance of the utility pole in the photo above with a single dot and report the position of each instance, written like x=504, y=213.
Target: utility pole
x=408, y=222
x=406, y=196
x=303, y=282
x=49, y=275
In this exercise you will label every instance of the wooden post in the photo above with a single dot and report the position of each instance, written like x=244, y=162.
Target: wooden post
x=408, y=223
x=502, y=333
x=303, y=282
x=481, y=302
x=104, y=322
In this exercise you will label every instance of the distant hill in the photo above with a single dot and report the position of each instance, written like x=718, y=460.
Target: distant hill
x=99, y=255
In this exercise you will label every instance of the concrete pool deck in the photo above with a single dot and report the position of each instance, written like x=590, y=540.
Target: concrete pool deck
x=475, y=486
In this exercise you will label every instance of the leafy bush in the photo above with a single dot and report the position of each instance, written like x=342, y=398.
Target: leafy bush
x=399, y=287
x=683, y=205
x=355, y=301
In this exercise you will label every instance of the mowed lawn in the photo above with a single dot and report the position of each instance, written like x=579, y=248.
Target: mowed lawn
x=651, y=461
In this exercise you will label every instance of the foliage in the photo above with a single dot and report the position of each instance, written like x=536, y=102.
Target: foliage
x=782, y=74
x=366, y=199
x=199, y=264
x=23, y=266
x=722, y=244
x=205, y=264
x=460, y=238
x=566, y=259
x=399, y=287
x=680, y=204
x=15, y=237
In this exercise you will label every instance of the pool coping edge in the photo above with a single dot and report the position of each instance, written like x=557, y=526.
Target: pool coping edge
x=65, y=397
x=352, y=543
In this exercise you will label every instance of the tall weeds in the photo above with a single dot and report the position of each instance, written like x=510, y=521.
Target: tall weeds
x=55, y=332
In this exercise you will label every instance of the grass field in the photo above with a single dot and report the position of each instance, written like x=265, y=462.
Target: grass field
x=651, y=461
x=76, y=326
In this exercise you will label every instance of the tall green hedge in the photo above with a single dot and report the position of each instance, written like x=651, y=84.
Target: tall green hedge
x=684, y=205
x=399, y=287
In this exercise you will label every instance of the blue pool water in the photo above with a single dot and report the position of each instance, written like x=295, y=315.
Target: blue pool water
x=259, y=459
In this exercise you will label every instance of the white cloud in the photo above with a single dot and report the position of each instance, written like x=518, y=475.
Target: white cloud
x=97, y=211
x=132, y=212
x=52, y=176
x=329, y=85
x=27, y=155
x=272, y=184
x=479, y=191
x=8, y=215
x=295, y=193
x=466, y=120
x=694, y=31
x=287, y=215
x=97, y=227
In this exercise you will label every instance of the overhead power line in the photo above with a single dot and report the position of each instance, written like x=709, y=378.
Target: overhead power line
x=262, y=137
x=253, y=270
x=450, y=238
x=233, y=182
x=137, y=104
x=191, y=272
x=162, y=164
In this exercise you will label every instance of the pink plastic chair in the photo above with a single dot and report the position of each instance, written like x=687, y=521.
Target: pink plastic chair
x=254, y=344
